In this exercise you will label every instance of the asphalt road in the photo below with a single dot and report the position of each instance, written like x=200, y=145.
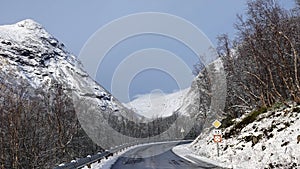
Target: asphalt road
x=156, y=156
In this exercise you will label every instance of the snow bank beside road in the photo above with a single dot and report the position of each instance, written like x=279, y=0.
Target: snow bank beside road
x=186, y=153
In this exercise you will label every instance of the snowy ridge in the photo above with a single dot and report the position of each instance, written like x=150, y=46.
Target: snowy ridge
x=271, y=141
x=158, y=104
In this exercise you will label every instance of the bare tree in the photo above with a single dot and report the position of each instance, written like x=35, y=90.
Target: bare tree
x=262, y=62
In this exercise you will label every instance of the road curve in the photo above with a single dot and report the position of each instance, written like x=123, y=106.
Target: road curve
x=156, y=156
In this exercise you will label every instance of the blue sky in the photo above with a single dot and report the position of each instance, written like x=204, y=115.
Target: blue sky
x=74, y=21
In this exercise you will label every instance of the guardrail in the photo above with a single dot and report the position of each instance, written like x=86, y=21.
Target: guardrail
x=87, y=161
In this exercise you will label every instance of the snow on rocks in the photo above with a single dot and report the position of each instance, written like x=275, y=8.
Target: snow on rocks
x=271, y=141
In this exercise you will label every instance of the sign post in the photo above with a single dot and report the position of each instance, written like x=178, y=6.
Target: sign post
x=218, y=149
x=217, y=134
x=218, y=139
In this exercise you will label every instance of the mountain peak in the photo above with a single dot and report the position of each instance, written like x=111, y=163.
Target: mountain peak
x=23, y=32
x=29, y=24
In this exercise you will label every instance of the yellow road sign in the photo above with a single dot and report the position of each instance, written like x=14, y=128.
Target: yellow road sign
x=216, y=123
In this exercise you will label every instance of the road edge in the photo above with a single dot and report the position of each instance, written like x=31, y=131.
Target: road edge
x=184, y=152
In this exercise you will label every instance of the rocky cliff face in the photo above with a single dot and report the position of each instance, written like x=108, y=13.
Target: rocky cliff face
x=205, y=101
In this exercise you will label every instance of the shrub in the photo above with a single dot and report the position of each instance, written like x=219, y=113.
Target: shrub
x=245, y=121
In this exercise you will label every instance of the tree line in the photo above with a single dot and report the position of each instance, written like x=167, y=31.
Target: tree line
x=38, y=127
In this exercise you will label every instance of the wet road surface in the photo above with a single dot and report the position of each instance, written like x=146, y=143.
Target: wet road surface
x=157, y=156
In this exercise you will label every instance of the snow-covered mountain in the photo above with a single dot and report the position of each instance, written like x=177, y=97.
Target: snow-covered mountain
x=28, y=52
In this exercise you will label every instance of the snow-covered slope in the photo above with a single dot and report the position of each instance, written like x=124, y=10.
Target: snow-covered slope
x=271, y=141
x=158, y=104
x=28, y=52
